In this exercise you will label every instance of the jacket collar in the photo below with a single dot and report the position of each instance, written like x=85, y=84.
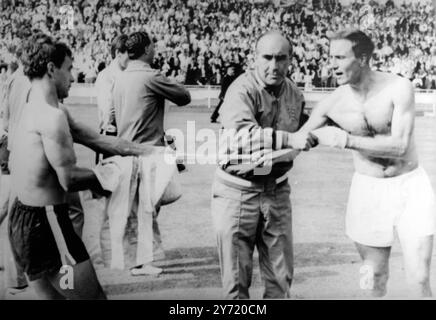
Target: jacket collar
x=137, y=65
x=114, y=68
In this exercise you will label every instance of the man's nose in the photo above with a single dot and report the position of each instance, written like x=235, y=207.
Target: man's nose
x=273, y=63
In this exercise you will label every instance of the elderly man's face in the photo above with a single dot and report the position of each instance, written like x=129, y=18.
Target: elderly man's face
x=272, y=59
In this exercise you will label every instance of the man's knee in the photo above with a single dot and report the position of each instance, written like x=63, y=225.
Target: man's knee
x=419, y=277
x=381, y=277
x=374, y=278
x=419, y=284
x=78, y=282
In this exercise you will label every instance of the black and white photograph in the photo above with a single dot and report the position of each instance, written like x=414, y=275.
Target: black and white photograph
x=200, y=150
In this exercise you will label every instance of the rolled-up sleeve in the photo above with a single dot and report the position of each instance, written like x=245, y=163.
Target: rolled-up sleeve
x=169, y=89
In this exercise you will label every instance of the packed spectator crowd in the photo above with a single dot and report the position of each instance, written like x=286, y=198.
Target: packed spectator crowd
x=197, y=39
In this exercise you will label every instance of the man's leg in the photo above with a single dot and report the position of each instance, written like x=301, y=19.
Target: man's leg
x=215, y=113
x=4, y=201
x=75, y=212
x=158, y=250
x=15, y=280
x=105, y=243
x=235, y=222
x=84, y=286
x=376, y=260
x=417, y=253
x=4, y=196
x=96, y=233
x=274, y=242
x=144, y=238
x=416, y=228
x=44, y=290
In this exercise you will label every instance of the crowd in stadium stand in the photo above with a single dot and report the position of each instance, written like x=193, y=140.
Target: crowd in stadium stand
x=197, y=39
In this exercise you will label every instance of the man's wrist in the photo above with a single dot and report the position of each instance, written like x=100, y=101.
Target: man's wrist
x=280, y=139
x=350, y=141
x=287, y=140
x=290, y=142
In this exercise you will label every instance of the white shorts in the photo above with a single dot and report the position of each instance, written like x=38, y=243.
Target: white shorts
x=377, y=205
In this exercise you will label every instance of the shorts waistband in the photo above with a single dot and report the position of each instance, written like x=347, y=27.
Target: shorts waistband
x=56, y=207
x=237, y=182
x=395, y=178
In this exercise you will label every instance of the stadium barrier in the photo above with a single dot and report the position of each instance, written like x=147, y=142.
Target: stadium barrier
x=85, y=93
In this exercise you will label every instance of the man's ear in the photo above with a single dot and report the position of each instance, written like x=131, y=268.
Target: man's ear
x=364, y=60
x=256, y=59
x=147, y=49
x=50, y=69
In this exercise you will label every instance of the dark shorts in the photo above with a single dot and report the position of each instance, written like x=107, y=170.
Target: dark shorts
x=33, y=242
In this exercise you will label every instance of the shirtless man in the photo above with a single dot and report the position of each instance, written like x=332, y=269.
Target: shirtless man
x=43, y=170
x=374, y=113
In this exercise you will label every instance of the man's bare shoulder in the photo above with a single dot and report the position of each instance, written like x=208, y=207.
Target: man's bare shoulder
x=102, y=77
x=401, y=91
x=394, y=82
x=401, y=83
x=48, y=119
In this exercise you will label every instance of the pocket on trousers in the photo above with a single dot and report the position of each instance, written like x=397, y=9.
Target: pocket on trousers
x=220, y=190
x=225, y=209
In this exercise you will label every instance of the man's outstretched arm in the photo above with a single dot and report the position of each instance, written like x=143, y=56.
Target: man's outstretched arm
x=394, y=145
x=318, y=117
x=110, y=145
x=169, y=89
x=58, y=148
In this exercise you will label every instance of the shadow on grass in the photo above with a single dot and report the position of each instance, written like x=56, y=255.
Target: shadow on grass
x=198, y=267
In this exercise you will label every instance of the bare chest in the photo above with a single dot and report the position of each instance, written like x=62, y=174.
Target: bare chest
x=369, y=117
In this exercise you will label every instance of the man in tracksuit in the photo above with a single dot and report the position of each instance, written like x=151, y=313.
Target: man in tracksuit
x=260, y=113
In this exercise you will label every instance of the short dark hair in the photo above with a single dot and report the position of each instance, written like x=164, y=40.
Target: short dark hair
x=361, y=43
x=136, y=44
x=118, y=44
x=38, y=51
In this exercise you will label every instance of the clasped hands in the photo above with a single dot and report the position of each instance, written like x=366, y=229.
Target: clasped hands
x=327, y=136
